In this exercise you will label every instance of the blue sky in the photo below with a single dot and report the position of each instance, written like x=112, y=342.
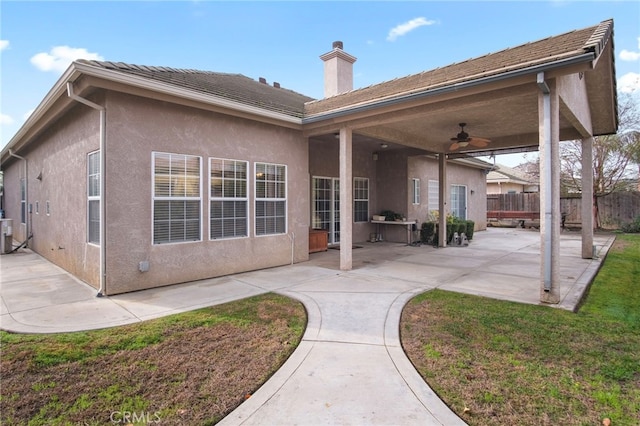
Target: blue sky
x=282, y=41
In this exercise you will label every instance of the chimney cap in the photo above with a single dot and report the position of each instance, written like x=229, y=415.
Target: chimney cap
x=338, y=45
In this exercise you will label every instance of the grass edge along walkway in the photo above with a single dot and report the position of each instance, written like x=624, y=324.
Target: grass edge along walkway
x=498, y=362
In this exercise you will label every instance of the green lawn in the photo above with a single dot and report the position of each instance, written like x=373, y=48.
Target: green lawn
x=496, y=362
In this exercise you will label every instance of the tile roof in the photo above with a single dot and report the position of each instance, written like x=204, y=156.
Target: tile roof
x=540, y=52
x=235, y=87
x=504, y=173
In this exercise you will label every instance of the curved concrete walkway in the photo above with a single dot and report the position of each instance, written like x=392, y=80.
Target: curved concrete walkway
x=349, y=367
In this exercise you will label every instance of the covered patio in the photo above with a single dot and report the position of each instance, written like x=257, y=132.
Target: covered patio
x=500, y=263
x=526, y=98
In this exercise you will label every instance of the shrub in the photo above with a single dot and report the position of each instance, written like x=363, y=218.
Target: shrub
x=451, y=228
x=426, y=233
x=632, y=227
x=469, y=231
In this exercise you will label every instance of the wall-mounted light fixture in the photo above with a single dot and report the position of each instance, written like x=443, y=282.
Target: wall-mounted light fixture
x=39, y=177
x=384, y=145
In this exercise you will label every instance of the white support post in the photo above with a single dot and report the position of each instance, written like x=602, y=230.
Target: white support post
x=587, y=198
x=442, y=200
x=549, y=140
x=346, y=200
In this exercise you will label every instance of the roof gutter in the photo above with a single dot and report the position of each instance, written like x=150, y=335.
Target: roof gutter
x=103, y=163
x=583, y=58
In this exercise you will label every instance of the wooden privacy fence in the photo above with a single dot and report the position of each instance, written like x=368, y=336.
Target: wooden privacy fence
x=523, y=202
x=613, y=210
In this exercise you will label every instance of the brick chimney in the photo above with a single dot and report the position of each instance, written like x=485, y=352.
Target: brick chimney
x=338, y=71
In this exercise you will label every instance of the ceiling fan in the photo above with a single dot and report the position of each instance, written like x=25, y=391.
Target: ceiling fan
x=463, y=140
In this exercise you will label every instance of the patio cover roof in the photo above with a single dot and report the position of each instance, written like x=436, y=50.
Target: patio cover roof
x=496, y=95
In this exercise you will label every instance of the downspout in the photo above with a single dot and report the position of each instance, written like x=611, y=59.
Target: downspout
x=548, y=197
x=26, y=194
x=103, y=122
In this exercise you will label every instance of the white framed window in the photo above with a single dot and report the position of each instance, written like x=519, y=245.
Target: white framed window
x=433, y=196
x=177, y=198
x=459, y=201
x=271, y=198
x=93, y=197
x=360, y=199
x=415, y=190
x=229, y=204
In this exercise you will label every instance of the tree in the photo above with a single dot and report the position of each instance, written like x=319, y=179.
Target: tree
x=613, y=156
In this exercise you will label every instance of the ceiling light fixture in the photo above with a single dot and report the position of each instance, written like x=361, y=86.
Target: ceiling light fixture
x=384, y=145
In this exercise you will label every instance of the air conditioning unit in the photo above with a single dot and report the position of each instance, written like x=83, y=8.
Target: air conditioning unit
x=6, y=236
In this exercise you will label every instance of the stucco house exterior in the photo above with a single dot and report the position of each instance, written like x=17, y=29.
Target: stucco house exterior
x=507, y=180
x=132, y=177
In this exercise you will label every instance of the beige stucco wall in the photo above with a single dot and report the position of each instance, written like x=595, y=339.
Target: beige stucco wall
x=504, y=187
x=426, y=168
x=59, y=155
x=137, y=128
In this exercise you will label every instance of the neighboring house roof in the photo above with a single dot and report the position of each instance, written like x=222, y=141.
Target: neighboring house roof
x=543, y=52
x=236, y=87
x=504, y=174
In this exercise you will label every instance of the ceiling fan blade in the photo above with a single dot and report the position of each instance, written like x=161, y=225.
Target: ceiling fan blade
x=479, y=142
x=454, y=146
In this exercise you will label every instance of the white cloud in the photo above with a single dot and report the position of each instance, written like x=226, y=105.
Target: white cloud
x=408, y=26
x=59, y=58
x=4, y=44
x=5, y=119
x=629, y=83
x=628, y=55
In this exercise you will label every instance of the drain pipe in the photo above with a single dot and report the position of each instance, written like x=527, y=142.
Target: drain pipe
x=548, y=196
x=27, y=220
x=102, y=214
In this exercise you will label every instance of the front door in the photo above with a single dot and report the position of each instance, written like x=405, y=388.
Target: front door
x=459, y=201
x=325, y=208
